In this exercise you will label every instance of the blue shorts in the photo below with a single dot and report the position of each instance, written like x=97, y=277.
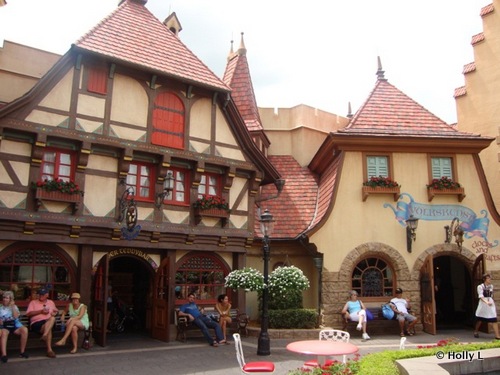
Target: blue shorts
x=37, y=326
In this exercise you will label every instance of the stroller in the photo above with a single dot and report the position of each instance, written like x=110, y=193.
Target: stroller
x=123, y=316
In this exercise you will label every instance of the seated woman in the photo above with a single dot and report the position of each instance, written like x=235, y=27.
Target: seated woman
x=355, y=310
x=79, y=320
x=9, y=323
x=223, y=307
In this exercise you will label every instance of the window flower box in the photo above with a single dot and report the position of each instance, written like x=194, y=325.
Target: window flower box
x=368, y=190
x=57, y=196
x=445, y=186
x=211, y=212
x=459, y=192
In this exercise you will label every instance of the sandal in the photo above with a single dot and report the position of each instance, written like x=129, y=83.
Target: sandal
x=402, y=334
x=476, y=335
x=411, y=333
x=222, y=342
x=215, y=344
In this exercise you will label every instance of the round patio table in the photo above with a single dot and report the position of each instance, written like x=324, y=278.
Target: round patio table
x=322, y=348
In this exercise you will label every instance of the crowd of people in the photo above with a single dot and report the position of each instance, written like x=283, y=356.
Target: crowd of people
x=42, y=313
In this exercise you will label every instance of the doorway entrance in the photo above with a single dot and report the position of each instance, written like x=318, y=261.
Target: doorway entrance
x=453, y=293
x=121, y=297
x=446, y=286
x=130, y=283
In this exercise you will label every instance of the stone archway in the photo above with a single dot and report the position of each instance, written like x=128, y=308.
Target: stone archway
x=336, y=284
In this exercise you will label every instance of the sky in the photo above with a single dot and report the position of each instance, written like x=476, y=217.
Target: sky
x=322, y=53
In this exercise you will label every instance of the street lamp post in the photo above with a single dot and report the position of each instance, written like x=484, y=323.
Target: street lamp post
x=266, y=227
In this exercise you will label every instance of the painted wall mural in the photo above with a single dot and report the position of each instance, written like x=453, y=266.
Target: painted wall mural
x=472, y=225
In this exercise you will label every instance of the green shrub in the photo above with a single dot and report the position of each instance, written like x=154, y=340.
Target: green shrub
x=293, y=318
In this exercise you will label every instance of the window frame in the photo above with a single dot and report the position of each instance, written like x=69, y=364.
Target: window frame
x=57, y=164
x=218, y=185
x=61, y=261
x=182, y=268
x=186, y=183
x=390, y=166
x=137, y=186
x=359, y=288
x=453, y=167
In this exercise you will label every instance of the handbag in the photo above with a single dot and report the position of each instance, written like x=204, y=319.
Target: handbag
x=369, y=315
x=387, y=311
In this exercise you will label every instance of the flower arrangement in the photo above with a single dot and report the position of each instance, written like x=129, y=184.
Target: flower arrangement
x=351, y=367
x=67, y=187
x=381, y=181
x=211, y=201
x=248, y=278
x=443, y=183
x=284, y=280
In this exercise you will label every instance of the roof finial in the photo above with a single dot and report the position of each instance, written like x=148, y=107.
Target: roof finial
x=242, y=50
x=380, y=72
x=231, y=51
x=349, y=110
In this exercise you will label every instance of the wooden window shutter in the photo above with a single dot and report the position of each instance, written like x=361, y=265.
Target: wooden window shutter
x=168, y=121
x=97, y=81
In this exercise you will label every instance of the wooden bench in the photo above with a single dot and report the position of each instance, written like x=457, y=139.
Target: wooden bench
x=34, y=338
x=238, y=324
x=378, y=326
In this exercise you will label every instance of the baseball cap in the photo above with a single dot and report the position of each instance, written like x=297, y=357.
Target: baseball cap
x=43, y=291
x=399, y=291
x=75, y=295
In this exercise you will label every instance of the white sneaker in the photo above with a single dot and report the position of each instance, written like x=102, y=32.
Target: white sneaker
x=365, y=336
x=359, y=326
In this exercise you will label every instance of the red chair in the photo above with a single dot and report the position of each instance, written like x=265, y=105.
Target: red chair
x=252, y=367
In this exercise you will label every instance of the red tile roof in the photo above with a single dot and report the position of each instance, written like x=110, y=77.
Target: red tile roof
x=477, y=38
x=389, y=112
x=134, y=35
x=487, y=10
x=470, y=67
x=295, y=209
x=237, y=76
x=459, y=91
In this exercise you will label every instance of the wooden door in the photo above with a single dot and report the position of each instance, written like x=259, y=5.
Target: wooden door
x=161, y=321
x=478, y=270
x=427, y=295
x=99, y=318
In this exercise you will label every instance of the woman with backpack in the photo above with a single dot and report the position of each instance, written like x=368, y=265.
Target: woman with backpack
x=355, y=310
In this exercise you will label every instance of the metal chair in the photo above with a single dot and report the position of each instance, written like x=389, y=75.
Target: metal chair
x=252, y=367
x=331, y=335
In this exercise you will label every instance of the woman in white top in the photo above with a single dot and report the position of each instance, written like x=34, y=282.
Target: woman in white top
x=355, y=310
x=486, y=310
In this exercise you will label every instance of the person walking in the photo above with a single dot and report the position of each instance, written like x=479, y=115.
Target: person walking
x=486, y=310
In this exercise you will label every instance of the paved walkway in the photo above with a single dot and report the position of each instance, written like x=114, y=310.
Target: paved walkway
x=136, y=354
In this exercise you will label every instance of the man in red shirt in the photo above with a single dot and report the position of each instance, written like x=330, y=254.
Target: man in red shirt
x=42, y=312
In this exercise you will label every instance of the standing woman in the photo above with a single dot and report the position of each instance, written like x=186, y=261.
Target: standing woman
x=486, y=310
x=223, y=307
x=9, y=323
x=355, y=310
x=79, y=320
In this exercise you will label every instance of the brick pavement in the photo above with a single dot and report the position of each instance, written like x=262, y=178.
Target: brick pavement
x=136, y=354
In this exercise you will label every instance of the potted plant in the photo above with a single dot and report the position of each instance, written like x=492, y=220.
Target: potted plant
x=380, y=185
x=247, y=278
x=211, y=206
x=445, y=186
x=57, y=190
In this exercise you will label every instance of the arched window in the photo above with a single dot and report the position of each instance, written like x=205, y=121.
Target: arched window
x=168, y=121
x=202, y=275
x=25, y=270
x=373, y=277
